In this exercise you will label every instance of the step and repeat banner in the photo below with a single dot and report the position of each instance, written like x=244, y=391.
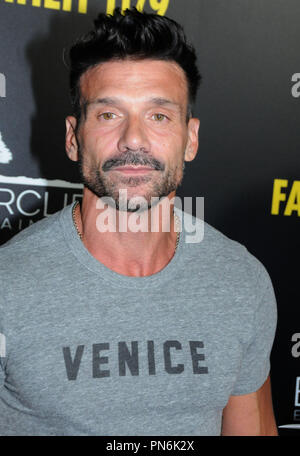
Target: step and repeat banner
x=248, y=164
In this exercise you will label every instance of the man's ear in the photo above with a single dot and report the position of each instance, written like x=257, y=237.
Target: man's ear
x=71, y=140
x=192, y=142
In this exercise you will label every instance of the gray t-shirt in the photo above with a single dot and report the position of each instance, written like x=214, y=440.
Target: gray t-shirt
x=87, y=351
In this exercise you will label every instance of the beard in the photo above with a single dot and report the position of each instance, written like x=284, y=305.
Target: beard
x=103, y=185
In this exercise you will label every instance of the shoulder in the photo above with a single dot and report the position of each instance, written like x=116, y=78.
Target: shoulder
x=224, y=260
x=214, y=244
x=32, y=243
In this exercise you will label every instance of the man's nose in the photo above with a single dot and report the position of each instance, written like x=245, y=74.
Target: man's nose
x=133, y=136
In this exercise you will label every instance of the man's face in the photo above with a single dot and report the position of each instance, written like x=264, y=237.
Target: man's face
x=134, y=134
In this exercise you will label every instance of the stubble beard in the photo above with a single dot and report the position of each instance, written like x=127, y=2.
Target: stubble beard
x=102, y=184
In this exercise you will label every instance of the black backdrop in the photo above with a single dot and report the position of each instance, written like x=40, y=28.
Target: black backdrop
x=248, y=156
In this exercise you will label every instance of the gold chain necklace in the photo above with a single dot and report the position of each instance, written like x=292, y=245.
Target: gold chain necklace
x=177, y=222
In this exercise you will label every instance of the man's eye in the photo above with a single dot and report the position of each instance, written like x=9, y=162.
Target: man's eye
x=159, y=117
x=108, y=115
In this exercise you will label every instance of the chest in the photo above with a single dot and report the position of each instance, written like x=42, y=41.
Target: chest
x=112, y=352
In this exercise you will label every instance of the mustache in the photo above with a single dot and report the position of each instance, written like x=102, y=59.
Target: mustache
x=133, y=158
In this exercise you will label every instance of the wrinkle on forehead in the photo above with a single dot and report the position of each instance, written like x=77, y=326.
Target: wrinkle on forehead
x=135, y=79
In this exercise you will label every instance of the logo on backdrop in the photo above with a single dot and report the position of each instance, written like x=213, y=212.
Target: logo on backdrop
x=5, y=153
x=158, y=6
x=295, y=352
x=2, y=85
x=296, y=347
x=20, y=204
x=296, y=87
x=286, y=197
x=296, y=414
x=24, y=200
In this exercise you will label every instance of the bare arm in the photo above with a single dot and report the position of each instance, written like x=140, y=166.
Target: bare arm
x=250, y=414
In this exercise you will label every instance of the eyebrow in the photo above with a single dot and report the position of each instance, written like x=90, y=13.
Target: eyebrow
x=159, y=101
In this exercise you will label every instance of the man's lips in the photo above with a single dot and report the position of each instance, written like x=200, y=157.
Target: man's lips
x=133, y=169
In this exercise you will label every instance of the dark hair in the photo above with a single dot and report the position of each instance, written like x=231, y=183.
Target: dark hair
x=136, y=35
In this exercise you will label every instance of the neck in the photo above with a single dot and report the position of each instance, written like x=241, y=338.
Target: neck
x=122, y=248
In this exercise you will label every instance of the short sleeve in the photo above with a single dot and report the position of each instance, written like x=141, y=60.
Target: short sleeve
x=255, y=365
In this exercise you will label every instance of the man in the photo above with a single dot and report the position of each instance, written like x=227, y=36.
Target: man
x=126, y=332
